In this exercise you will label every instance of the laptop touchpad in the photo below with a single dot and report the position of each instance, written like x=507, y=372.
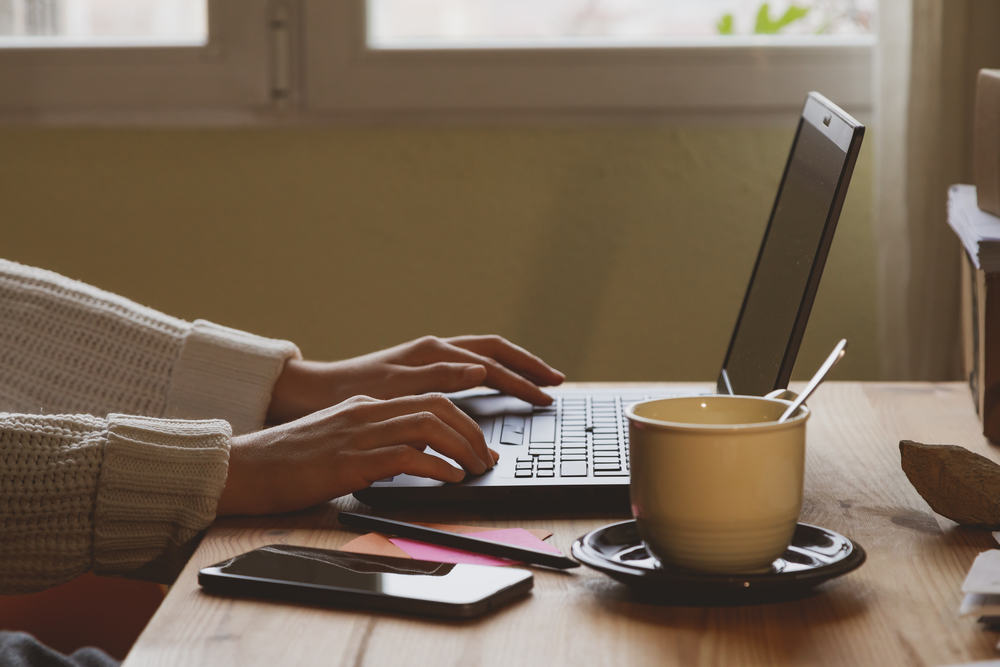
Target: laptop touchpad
x=488, y=403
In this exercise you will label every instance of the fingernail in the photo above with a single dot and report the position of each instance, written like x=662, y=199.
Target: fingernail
x=496, y=456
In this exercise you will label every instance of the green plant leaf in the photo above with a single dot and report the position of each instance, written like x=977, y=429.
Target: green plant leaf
x=792, y=14
x=725, y=24
x=765, y=25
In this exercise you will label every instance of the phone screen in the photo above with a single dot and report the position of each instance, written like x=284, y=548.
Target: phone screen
x=343, y=578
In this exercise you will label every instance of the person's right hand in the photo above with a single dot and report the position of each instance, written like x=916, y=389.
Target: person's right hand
x=418, y=366
x=346, y=447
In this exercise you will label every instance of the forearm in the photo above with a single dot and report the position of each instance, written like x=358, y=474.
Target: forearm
x=112, y=495
x=67, y=347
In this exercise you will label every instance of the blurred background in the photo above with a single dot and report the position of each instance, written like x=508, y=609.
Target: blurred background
x=616, y=242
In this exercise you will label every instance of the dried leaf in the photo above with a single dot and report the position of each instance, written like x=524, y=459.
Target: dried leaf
x=955, y=482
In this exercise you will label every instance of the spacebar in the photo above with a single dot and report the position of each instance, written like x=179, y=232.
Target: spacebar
x=573, y=469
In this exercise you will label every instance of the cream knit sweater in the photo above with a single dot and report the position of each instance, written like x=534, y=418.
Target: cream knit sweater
x=115, y=422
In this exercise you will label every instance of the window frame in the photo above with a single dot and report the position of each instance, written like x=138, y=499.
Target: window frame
x=747, y=75
x=228, y=76
x=266, y=63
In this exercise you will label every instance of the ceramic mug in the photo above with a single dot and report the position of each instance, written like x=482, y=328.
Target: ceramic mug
x=716, y=480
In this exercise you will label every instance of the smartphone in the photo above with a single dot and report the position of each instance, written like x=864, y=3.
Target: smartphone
x=344, y=579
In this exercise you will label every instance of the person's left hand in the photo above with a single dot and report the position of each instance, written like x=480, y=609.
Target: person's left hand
x=428, y=364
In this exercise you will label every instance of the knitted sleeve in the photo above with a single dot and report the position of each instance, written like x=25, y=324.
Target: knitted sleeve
x=67, y=347
x=79, y=492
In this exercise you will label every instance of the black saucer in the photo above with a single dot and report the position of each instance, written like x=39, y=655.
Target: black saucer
x=815, y=555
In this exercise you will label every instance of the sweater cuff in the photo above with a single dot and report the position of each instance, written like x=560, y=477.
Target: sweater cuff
x=159, y=487
x=226, y=373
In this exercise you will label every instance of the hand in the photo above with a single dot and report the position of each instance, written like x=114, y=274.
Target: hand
x=345, y=448
x=428, y=364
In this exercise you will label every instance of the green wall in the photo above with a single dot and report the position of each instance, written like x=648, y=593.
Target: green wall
x=615, y=250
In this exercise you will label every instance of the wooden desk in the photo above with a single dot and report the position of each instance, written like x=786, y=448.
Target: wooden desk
x=897, y=609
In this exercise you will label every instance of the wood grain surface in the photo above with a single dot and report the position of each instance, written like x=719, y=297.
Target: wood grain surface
x=899, y=608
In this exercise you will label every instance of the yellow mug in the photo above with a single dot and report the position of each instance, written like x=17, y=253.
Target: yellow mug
x=716, y=481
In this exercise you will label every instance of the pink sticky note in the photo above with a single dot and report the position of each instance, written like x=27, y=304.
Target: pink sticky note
x=515, y=536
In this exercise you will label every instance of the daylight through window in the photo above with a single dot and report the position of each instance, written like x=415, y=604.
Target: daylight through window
x=499, y=23
x=75, y=23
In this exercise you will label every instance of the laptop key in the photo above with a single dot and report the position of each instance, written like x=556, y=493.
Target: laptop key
x=522, y=473
x=611, y=473
x=510, y=436
x=546, y=473
x=573, y=469
x=543, y=428
x=515, y=422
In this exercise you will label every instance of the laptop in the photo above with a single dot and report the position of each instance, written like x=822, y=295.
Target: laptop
x=574, y=453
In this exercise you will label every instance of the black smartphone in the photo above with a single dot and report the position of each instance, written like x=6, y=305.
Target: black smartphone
x=341, y=578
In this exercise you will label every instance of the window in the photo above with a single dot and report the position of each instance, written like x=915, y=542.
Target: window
x=703, y=56
x=264, y=59
x=512, y=23
x=76, y=23
x=137, y=59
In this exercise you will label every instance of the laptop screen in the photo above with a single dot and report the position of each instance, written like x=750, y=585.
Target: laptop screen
x=776, y=307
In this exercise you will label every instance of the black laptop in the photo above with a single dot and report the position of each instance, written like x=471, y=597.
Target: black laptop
x=574, y=453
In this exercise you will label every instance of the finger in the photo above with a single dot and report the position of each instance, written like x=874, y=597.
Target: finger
x=498, y=376
x=441, y=376
x=443, y=409
x=512, y=356
x=422, y=446
x=510, y=382
x=426, y=427
x=402, y=459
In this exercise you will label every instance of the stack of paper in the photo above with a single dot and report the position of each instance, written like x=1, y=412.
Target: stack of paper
x=979, y=230
x=982, y=589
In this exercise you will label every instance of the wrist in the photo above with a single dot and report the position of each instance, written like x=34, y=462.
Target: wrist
x=303, y=387
x=243, y=492
x=289, y=395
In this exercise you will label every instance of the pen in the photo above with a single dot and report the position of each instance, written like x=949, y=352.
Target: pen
x=455, y=540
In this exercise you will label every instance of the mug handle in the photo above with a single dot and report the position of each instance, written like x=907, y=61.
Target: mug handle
x=783, y=394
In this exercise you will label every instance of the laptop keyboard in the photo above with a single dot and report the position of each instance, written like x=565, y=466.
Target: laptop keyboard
x=580, y=435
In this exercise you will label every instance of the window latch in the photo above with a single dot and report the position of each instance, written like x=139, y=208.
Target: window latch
x=280, y=24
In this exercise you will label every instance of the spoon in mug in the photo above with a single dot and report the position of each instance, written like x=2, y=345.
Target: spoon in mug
x=838, y=352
